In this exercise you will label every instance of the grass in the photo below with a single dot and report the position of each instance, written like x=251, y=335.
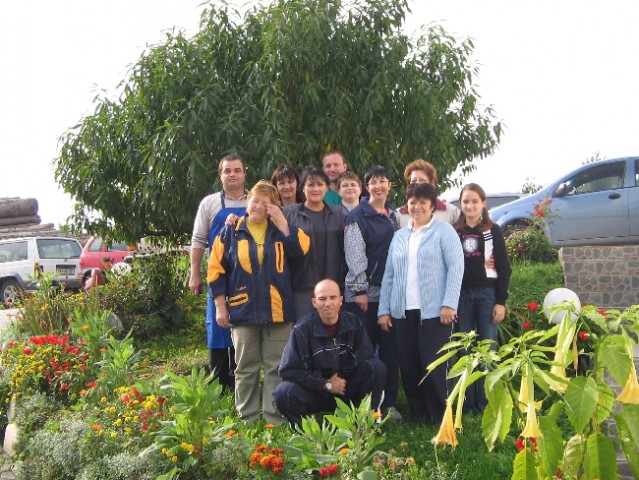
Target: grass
x=471, y=460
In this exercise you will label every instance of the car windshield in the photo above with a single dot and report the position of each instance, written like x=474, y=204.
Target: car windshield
x=58, y=248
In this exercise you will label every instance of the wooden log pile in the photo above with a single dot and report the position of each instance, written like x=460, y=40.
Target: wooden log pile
x=19, y=218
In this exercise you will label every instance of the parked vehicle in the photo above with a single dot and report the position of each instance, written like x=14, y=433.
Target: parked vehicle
x=596, y=204
x=22, y=260
x=494, y=199
x=99, y=254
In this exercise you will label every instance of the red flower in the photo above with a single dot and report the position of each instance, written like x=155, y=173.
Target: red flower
x=323, y=472
x=161, y=400
x=583, y=335
x=520, y=444
x=532, y=306
x=526, y=325
x=27, y=351
x=601, y=311
x=332, y=469
x=90, y=384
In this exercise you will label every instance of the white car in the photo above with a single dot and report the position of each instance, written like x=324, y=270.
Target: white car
x=596, y=204
x=22, y=259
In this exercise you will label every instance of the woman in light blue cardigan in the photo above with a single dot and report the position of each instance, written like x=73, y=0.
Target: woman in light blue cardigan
x=419, y=297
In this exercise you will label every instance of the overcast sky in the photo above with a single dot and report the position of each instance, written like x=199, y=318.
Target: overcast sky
x=561, y=75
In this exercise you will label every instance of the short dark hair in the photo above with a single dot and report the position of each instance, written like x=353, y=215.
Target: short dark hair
x=285, y=171
x=376, y=171
x=229, y=158
x=312, y=172
x=421, y=191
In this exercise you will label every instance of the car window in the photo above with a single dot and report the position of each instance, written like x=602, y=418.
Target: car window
x=10, y=252
x=58, y=248
x=95, y=245
x=636, y=173
x=595, y=179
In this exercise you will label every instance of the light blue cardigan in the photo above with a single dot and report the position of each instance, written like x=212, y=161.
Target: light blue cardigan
x=440, y=263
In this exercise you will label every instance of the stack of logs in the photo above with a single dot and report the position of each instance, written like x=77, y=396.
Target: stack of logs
x=19, y=218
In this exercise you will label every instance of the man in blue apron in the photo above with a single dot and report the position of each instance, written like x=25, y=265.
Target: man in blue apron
x=210, y=218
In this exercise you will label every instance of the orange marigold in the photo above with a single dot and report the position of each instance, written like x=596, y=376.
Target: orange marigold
x=267, y=461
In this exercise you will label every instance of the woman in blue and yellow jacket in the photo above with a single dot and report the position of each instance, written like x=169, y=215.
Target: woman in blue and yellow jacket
x=249, y=278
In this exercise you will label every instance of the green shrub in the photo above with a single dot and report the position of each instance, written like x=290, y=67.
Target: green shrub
x=530, y=244
x=148, y=298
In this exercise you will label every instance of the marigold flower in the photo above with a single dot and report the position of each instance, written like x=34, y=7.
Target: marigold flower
x=446, y=434
x=82, y=393
x=526, y=325
x=532, y=306
x=630, y=393
x=261, y=448
x=269, y=426
x=377, y=415
x=230, y=433
x=278, y=462
x=267, y=461
x=85, y=327
x=96, y=426
x=276, y=451
x=277, y=470
x=344, y=451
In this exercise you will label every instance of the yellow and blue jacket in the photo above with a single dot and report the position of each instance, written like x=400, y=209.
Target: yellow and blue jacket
x=255, y=294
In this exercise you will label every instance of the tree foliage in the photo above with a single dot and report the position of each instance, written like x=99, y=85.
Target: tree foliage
x=279, y=83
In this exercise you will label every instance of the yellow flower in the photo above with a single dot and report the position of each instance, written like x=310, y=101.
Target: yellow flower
x=524, y=392
x=532, y=427
x=85, y=327
x=630, y=393
x=103, y=400
x=446, y=434
x=174, y=458
x=114, y=434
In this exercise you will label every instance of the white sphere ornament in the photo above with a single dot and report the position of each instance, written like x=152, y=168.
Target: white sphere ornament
x=557, y=297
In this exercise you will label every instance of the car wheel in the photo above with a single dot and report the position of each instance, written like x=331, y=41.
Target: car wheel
x=10, y=291
x=516, y=226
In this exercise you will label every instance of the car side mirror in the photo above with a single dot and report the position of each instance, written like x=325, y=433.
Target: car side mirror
x=562, y=190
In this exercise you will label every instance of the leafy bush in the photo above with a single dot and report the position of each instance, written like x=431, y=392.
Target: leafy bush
x=530, y=244
x=148, y=298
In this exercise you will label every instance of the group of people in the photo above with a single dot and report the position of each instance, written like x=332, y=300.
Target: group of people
x=334, y=293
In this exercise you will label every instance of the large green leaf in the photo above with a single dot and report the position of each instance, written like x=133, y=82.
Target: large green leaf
x=630, y=412
x=628, y=443
x=613, y=356
x=581, y=401
x=574, y=456
x=600, y=460
x=497, y=415
x=606, y=402
x=551, y=443
x=524, y=467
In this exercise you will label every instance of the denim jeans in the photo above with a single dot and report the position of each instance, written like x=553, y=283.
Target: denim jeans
x=475, y=312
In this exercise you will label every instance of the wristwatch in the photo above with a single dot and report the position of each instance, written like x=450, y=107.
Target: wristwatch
x=328, y=386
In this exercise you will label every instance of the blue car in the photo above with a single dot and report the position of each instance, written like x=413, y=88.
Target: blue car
x=596, y=204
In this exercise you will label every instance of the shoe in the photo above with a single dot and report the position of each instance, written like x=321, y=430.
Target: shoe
x=394, y=415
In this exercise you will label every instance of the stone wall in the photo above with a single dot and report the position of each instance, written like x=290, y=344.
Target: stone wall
x=604, y=276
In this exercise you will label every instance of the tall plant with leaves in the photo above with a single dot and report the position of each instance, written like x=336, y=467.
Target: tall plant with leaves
x=281, y=83
x=530, y=371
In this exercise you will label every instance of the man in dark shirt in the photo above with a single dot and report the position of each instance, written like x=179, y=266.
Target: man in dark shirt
x=328, y=355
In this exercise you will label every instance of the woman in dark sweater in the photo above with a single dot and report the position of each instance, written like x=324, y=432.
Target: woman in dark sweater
x=482, y=303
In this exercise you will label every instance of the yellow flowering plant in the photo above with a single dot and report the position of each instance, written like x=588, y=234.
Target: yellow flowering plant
x=51, y=364
x=546, y=373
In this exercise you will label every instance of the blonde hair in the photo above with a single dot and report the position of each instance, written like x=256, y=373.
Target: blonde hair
x=266, y=188
x=423, y=165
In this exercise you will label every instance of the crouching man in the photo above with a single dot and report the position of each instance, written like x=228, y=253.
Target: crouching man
x=328, y=355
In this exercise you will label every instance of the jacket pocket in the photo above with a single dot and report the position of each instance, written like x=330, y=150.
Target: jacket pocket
x=238, y=300
x=279, y=257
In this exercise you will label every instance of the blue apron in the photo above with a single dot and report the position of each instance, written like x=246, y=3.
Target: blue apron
x=216, y=336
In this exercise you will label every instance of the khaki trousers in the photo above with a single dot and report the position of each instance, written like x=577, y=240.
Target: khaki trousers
x=255, y=346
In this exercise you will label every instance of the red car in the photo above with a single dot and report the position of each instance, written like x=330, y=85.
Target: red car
x=95, y=254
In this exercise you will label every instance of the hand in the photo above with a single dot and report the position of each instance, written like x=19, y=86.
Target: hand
x=385, y=322
x=222, y=317
x=339, y=385
x=231, y=219
x=447, y=316
x=277, y=217
x=490, y=262
x=362, y=302
x=499, y=313
x=195, y=282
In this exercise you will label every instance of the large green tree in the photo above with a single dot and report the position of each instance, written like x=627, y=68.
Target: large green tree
x=280, y=83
